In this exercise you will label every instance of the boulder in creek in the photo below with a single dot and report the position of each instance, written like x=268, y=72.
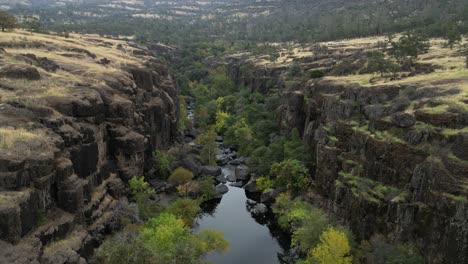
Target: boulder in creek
x=269, y=196
x=251, y=186
x=231, y=177
x=221, y=189
x=236, y=184
x=237, y=161
x=260, y=209
x=211, y=170
x=221, y=179
x=222, y=159
x=404, y=120
x=242, y=172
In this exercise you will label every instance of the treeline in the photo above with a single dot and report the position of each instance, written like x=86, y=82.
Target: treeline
x=298, y=20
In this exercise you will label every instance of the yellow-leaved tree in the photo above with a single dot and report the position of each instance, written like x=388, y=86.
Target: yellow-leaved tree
x=333, y=248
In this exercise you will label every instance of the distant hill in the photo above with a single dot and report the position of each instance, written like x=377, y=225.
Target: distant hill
x=252, y=20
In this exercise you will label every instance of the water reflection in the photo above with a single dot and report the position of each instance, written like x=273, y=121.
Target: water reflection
x=253, y=238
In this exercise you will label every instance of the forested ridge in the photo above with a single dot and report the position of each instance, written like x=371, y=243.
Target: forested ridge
x=297, y=20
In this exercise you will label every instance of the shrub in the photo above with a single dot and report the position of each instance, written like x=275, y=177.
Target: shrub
x=316, y=74
x=189, y=189
x=333, y=248
x=408, y=47
x=290, y=213
x=295, y=70
x=123, y=247
x=379, y=251
x=170, y=241
x=345, y=67
x=291, y=174
x=307, y=236
x=263, y=184
x=180, y=176
x=141, y=194
x=207, y=190
x=185, y=209
x=163, y=164
x=162, y=240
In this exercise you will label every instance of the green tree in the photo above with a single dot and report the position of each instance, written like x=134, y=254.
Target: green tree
x=408, y=47
x=208, y=152
x=290, y=174
x=7, y=21
x=222, y=121
x=295, y=70
x=32, y=23
x=452, y=36
x=263, y=184
x=183, y=114
x=169, y=241
x=333, y=248
x=240, y=134
x=295, y=148
x=307, y=236
x=163, y=164
x=377, y=62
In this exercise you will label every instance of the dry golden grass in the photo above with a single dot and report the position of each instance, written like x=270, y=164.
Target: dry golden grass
x=76, y=67
x=10, y=136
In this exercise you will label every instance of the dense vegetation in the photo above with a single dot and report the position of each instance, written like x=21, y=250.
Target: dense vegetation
x=157, y=233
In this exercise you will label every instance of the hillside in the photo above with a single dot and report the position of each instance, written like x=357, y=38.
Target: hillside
x=248, y=20
x=74, y=113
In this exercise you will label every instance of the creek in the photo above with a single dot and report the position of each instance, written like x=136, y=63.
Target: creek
x=253, y=236
x=249, y=226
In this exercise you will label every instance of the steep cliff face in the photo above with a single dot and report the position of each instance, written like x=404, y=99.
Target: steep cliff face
x=78, y=118
x=383, y=171
x=391, y=157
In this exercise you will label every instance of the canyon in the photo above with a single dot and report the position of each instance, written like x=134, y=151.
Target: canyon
x=82, y=115
x=79, y=117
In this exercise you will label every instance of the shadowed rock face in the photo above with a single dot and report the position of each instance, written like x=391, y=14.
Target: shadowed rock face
x=66, y=183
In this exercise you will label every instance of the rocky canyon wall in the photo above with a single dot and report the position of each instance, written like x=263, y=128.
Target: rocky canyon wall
x=65, y=158
x=385, y=162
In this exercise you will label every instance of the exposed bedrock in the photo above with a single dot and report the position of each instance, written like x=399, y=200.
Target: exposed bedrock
x=380, y=172
x=63, y=191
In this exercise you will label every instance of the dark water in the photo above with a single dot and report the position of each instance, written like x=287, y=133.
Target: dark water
x=253, y=239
